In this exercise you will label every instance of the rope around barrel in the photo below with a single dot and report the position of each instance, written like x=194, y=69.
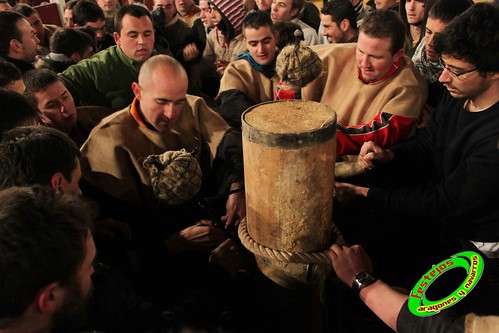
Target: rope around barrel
x=261, y=250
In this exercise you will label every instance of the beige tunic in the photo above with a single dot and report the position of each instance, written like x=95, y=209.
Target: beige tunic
x=113, y=154
x=355, y=102
x=240, y=75
x=218, y=49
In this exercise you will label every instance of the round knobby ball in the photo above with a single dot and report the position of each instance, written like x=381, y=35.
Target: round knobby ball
x=175, y=176
x=298, y=65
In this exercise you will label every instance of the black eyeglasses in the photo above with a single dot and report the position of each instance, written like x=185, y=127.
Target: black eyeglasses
x=454, y=74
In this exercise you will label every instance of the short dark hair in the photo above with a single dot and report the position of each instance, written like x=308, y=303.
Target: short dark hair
x=32, y=155
x=38, y=79
x=446, y=10
x=24, y=9
x=340, y=10
x=9, y=73
x=297, y=4
x=69, y=40
x=70, y=4
x=87, y=11
x=385, y=23
x=256, y=19
x=132, y=10
x=286, y=33
x=9, y=31
x=473, y=36
x=26, y=113
x=43, y=238
x=91, y=33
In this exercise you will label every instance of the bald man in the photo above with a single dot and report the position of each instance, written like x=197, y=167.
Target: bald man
x=162, y=117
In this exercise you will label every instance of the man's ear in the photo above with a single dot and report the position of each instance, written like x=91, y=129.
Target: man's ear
x=116, y=38
x=44, y=118
x=75, y=57
x=136, y=90
x=15, y=45
x=56, y=181
x=398, y=55
x=494, y=76
x=294, y=12
x=344, y=25
x=50, y=298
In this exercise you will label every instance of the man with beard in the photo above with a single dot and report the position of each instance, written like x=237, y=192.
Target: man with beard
x=446, y=176
x=339, y=22
x=163, y=118
x=46, y=256
x=43, y=31
x=43, y=156
x=426, y=59
x=18, y=40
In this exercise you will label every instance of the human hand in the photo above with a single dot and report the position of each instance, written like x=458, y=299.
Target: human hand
x=347, y=261
x=235, y=207
x=203, y=236
x=345, y=192
x=190, y=52
x=371, y=153
x=220, y=66
x=229, y=255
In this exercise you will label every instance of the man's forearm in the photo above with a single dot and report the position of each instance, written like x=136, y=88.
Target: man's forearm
x=384, y=301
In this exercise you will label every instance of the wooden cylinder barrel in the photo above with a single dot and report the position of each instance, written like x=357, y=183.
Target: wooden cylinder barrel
x=289, y=159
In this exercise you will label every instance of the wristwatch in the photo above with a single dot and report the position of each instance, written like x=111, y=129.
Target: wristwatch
x=362, y=280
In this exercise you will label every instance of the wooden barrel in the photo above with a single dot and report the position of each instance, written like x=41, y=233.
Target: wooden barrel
x=289, y=159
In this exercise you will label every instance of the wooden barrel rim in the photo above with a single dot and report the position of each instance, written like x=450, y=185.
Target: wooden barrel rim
x=288, y=140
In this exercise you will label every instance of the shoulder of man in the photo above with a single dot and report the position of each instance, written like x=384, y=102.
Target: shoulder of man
x=102, y=61
x=409, y=71
x=336, y=50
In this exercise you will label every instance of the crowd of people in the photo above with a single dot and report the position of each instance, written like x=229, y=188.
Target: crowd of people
x=122, y=174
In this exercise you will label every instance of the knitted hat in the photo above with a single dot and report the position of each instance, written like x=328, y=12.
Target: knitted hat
x=298, y=65
x=233, y=10
x=175, y=176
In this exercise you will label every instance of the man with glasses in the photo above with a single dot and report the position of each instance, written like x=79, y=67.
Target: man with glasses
x=426, y=59
x=450, y=170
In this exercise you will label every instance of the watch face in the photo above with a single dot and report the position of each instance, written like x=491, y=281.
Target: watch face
x=362, y=280
x=363, y=277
